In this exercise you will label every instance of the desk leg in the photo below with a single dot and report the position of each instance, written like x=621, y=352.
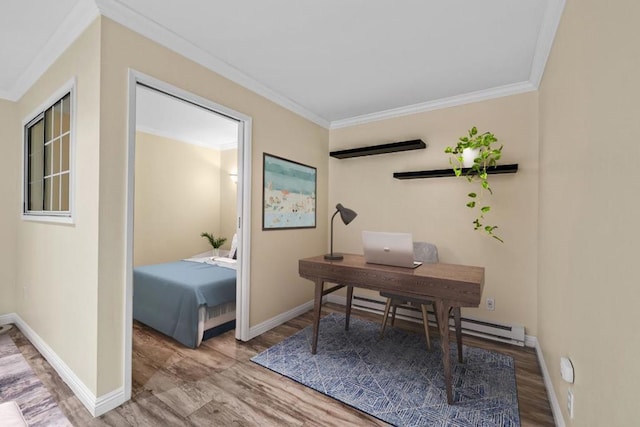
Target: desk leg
x=317, y=306
x=458, y=323
x=348, y=309
x=442, y=312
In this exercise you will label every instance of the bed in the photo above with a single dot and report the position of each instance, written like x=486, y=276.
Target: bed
x=186, y=298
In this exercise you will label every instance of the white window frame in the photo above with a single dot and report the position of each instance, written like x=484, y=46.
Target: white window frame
x=51, y=216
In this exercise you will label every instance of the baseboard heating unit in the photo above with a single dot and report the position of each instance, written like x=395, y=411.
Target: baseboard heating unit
x=511, y=334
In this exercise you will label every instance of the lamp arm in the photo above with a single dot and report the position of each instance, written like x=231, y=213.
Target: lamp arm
x=332, y=217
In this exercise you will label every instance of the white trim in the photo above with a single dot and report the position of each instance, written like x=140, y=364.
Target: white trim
x=278, y=320
x=547, y=34
x=553, y=400
x=48, y=218
x=530, y=341
x=85, y=12
x=5, y=94
x=69, y=87
x=5, y=319
x=174, y=136
x=95, y=406
x=452, y=101
x=228, y=146
x=80, y=17
x=109, y=401
x=244, y=209
x=128, y=271
x=244, y=227
x=507, y=333
x=148, y=28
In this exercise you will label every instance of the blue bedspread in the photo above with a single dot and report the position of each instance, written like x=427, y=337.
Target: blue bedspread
x=167, y=296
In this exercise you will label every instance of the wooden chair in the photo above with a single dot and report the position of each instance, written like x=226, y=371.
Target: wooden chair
x=427, y=253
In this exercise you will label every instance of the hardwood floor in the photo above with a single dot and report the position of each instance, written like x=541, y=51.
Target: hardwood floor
x=218, y=385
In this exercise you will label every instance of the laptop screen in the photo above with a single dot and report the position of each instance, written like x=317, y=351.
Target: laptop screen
x=388, y=248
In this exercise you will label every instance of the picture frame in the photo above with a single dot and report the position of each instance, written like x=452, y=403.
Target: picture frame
x=288, y=194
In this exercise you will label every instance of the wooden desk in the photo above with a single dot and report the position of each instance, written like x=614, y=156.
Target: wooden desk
x=450, y=286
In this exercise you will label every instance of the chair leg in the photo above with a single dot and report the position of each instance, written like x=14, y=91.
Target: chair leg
x=386, y=316
x=425, y=321
x=393, y=315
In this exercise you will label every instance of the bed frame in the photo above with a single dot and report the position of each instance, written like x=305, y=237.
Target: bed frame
x=210, y=317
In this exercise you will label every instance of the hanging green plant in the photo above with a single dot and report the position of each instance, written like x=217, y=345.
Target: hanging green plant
x=472, y=156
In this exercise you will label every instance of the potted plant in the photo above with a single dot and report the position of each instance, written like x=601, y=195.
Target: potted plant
x=215, y=242
x=485, y=156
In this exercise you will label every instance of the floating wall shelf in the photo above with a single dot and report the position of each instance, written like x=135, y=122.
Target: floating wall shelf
x=416, y=144
x=439, y=173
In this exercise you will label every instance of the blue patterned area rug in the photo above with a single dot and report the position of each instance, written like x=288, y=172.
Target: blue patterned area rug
x=396, y=379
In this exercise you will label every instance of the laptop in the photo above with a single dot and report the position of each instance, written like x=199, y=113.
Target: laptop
x=389, y=249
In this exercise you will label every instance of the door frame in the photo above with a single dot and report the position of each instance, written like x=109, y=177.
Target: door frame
x=243, y=224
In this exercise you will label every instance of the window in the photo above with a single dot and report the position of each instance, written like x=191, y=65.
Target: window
x=47, y=153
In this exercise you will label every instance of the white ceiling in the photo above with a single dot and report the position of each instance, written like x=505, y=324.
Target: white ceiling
x=164, y=115
x=335, y=62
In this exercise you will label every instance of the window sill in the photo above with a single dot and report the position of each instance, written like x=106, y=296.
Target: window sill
x=49, y=219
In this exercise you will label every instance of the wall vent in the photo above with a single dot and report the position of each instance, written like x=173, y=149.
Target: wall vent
x=510, y=334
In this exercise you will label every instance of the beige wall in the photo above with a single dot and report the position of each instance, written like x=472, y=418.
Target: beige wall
x=588, y=290
x=275, y=284
x=228, y=195
x=57, y=264
x=555, y=281
x=178, y=195
x=10, y=161
x=74, y=293
x=434, y=209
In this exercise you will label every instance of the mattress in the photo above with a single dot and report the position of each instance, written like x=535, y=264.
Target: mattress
x=168, y=296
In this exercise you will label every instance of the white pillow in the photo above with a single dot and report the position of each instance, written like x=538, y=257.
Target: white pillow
x=234, y=247
x=225, y=262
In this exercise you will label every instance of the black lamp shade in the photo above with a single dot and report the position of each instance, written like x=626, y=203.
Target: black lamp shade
x=347, y=215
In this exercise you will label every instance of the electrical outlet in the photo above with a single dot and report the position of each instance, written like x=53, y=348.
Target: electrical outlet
x=570, y=403
x=491, y=304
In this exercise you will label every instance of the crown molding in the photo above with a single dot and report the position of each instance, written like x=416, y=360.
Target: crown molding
x=176, y=137
x=80, y=17
x=467, y=98
x=85, y=12
x=228, y=146
x=122, y=14
x=550, y=24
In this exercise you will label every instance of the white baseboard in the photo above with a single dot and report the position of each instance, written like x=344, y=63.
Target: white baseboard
x=279, y=319
x=530, y=341
x=553, y=399
x=506, y=333
x=95, y=405
x=5, y=319
x=109, y=401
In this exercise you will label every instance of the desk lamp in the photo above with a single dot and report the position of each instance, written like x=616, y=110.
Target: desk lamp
x=347, y=216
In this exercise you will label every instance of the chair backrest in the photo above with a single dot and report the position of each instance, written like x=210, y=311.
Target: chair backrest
x=425, y=252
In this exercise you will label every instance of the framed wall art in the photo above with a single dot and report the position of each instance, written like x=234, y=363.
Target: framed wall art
x=289, y=194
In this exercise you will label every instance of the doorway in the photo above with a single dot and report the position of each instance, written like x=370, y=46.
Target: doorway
x=240, y=221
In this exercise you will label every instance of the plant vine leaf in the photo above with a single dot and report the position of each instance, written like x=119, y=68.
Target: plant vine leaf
x=477, y=173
